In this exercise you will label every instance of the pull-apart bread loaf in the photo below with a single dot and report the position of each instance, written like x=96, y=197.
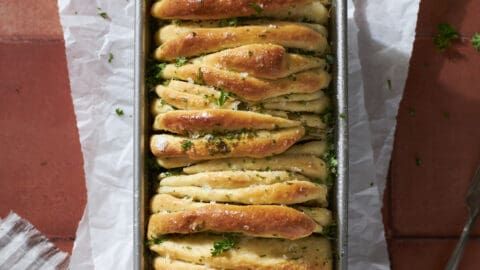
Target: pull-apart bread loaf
x=241, y=130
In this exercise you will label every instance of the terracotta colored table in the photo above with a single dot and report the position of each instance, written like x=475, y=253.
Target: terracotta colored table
x=436, y=150
x=437, y=145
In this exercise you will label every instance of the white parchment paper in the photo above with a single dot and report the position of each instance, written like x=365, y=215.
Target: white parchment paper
x=381, y=33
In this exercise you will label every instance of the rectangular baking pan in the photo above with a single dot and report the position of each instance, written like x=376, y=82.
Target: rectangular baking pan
x=338, y=38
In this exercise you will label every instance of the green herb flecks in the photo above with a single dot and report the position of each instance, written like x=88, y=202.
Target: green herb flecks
x=110, y=57
x=330, y=59
x=155, y=241
x=180, y=61
x=222, y=99
x=228, y=242
x=445, y=36
x=119, y=112
x=476, y=41
x=228, y=22
x=153, y=76
x=258, y=9
x=330, y=231
x=418, y=161
x=171, y=172
x=102, y=14
x=186, y=145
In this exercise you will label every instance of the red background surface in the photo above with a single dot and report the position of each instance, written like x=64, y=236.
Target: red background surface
x=41, y=166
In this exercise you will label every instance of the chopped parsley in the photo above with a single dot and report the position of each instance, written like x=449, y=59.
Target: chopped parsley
x=343, y=116
x=103, y=14
x=445, y=36
x=389, y=84
x=330, y=58
x=171, y=172
x=418, y=161
x=186, y=145
x=180, y=61
x=330, y=231
x=228, y=22
x=476, y=41
x=222, y=99
x=258, y=9
x=155, y=241
x=153, y=73
x=110, y=57
x=228, y=242
x=119, y=112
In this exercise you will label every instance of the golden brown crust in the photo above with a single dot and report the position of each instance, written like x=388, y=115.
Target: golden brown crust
x=310, y=120
x=317, y=148
x=165, y=203
x=222, y=9
x=254, y=220
x=231, y=179
x=311, y=253
x=248, y=87
x=160, y=106
x=297, y=97
x=291, y=192
x=186, y=101
x=308, y=165
x=175, y=162
x=312, y=106
x=217, y=120
x=259, y=144
x=191, y=41
x=266, y=61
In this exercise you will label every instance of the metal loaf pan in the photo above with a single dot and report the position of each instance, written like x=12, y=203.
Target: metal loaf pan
x=142, y=120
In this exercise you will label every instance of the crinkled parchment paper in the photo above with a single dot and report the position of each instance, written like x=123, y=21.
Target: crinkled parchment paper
x=381, y=33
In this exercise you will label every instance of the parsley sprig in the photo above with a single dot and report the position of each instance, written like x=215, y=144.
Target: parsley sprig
x=228, y=242
x=102, y=14
x=119, y=112
x=186, y=145
x=445, y=36
x=153, y=73
x=180, y=61
x=155, y=241
x=222, y=99
x=110, y=57
x=476, y=41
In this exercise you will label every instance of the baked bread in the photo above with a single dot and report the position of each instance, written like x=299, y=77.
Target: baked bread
x=312, y=10
x=241, y=127
x=179, y=216
x=217, y=121
x=308, y=165
x=310, y=253
x=245, y=144
x=266, y=61
x=192, y=40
